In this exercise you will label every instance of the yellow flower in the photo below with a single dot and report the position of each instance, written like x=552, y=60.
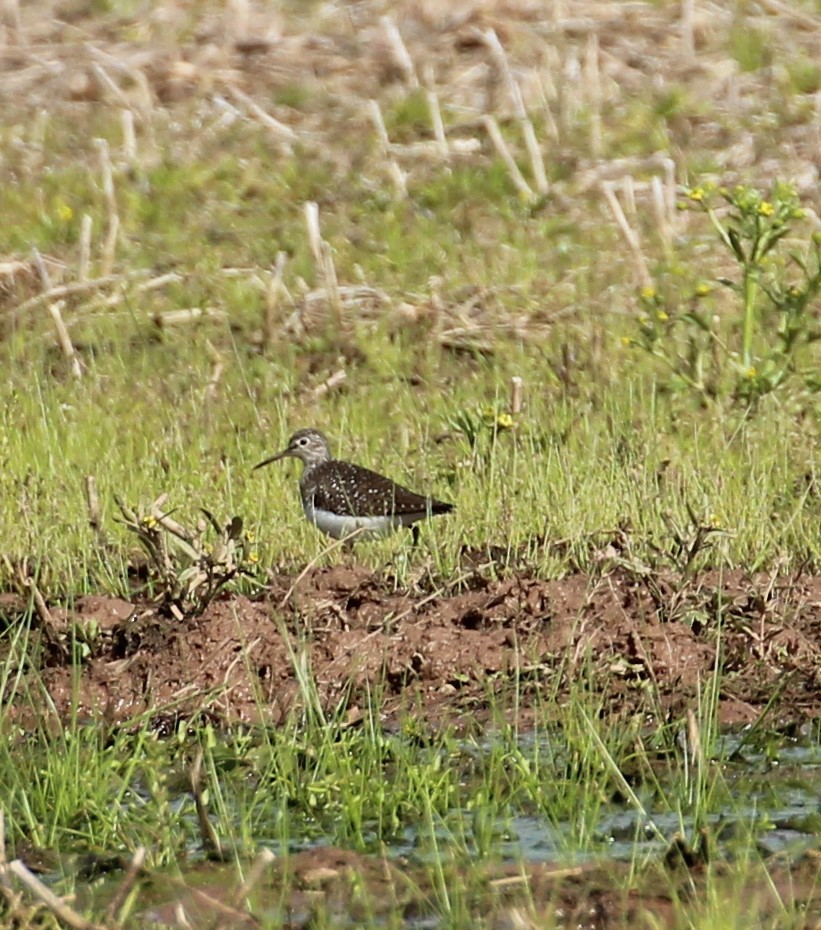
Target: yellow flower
x=661, y=315
x=150, y=522
x=626, y=341
x=64, y=212
x=648, y=292
x=253, y=557
x=504, y=421
x=696, y=194
x=250, y=536
x=765, y=208
x=703, y=289
x=714, y=521
x=751, y=372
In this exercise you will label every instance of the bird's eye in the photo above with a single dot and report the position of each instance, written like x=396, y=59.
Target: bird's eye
x=303, y=441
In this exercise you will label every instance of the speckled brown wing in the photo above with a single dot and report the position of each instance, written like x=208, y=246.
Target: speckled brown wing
x=347, y=489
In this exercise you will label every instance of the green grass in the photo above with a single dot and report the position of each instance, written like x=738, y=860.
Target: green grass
x=444, y=801
x=608, y=443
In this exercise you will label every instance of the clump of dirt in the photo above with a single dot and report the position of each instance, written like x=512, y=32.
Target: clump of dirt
x=647, y=644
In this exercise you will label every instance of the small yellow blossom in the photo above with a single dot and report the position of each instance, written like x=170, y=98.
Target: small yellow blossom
x=64, y=212
x=150, y=522
x=703, y=289
x=253, y=557
x=696, y=194
x=662, y=316
x=714, y=521
x=648, y=292
x=626, y=341
x=751, y=372
x=765, y=208
x=504, y=421
x=250, y=536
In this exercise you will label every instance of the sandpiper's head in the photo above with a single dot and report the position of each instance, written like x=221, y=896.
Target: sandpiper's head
x=308, y=445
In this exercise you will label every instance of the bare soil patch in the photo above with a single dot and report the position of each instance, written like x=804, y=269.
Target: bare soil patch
x=647, y=643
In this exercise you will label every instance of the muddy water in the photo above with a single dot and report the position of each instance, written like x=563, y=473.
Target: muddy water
x=780, y=803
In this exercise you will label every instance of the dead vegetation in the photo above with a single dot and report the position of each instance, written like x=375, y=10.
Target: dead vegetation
x=548, y=92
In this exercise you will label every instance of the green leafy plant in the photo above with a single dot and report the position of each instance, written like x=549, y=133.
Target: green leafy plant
x=187, y=570
x=752, y=352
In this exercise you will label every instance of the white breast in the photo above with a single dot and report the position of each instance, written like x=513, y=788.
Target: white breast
x=332, y=524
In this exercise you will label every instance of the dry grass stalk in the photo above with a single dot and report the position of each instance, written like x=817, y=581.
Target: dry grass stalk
x=261, y=863
x=107, y=83
x=282, y=132
x=500, y=145
x=695, y=751
x=331, y=282
x=630, y=235
x=55, y=309
x=335, y=381
x=592, y=82
x=546, y=93
x=129, y=136
x=110, y=245
x=435, y=111
x=436, y=122
x=208, y=834
x=499, y=57
x=42, y=271
x=56, y=905
x=86, y=225
x=95, y=517
x=114, y=911
x=107, y=177
x=218, y=367
x=145, y=96
x=401, y=56
x=64, y=340
x=397, y=175
x=69, y=290
x=314, y=236
x=628, y=189
x=323, y=258
x=274, y=292
x=516, y=393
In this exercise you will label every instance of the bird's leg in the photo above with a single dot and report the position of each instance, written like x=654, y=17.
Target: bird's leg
x=415, y=532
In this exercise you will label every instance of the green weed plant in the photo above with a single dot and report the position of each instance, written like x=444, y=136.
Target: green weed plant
x=754, y=344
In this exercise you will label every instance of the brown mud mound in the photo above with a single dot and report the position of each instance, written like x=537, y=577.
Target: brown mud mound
x=648, y=643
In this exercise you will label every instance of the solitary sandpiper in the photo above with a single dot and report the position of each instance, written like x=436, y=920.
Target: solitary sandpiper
x=342, y=499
